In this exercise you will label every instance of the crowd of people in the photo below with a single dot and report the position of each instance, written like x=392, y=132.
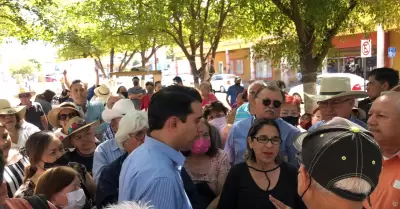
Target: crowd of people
x=179, y=147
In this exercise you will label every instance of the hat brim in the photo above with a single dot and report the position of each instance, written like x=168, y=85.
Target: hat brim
x=30, y=92
x=298, y=143
x=108, y=114
x=19, y=110
x=67, y=140
x=52, y=116
x=363, y=114
x=319, y=98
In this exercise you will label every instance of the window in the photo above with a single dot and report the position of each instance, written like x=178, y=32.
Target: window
x=239, y=67
x=231, y=66
x=263, y=69
x=220, y=67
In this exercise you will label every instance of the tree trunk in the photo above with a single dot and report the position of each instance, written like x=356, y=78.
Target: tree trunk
x=99, y=64
x=126, y=62
x=144, y=60
x=112, y=60
x=193, y=69
x=309, y=71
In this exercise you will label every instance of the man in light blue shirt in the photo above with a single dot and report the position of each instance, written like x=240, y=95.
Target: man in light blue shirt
x=91, y=109
x=243, y=112
x=152, y=172
x=268, y=101
x=336, y=99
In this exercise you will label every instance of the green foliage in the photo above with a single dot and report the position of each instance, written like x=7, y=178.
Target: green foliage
x=25, y=69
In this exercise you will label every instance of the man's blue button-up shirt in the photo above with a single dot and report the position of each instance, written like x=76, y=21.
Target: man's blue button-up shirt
x=151, y=173
x=106, y=153
x=236, y=144
x=352, y=119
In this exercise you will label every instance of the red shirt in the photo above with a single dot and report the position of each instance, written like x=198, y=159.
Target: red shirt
x=206, y=101
x=144, y=103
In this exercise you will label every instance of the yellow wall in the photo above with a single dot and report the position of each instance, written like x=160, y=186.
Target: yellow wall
x=395, y=42
x=240, y=54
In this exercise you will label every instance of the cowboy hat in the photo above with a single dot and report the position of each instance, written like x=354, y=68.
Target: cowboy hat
x=24, y=91
x=75, y=125
x=335, y=87
x=54, y=113
x=6, y=109
x=119, y=109
x=102, y=92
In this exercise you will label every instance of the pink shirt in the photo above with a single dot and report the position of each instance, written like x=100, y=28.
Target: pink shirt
x=206, y=101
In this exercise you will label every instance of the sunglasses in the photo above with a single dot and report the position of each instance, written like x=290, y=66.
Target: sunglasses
x=64, y=117
x=24, y=95
x=267, y=102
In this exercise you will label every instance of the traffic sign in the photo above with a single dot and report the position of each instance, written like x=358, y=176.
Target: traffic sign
x=366, y=48
x=392, y=52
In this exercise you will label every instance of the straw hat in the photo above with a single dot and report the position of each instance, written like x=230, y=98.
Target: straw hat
x=119, y=109
x=6, y=109
x=23, y=91
x=52, y=116
x=102, y=92
x=75, y=125
x=335, y=87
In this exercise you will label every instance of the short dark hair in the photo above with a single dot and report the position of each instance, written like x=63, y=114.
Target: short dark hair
x=177, y=79
x=75, y=82
x=257, y=125
x=137, y=78
x=281, y=84
x=389, y=75
x=148, y=83
x=171, y=101
x=214, y=136
x=216, y=106
x=272, y=87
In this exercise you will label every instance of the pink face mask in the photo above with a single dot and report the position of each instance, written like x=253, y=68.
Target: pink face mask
x=201, y=146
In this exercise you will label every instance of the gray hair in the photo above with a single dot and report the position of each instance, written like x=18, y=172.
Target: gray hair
x=130, y=123
x=130, y=205
x=353, y=185
x=258, y=82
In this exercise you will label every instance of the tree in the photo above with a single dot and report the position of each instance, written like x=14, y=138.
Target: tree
x=302, y=31
x=25, y=69
x=195, y=26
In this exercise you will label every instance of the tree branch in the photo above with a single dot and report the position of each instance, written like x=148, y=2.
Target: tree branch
x=284, y=9
x=330, y=32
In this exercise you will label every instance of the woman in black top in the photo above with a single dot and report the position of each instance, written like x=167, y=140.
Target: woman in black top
x=263, y=176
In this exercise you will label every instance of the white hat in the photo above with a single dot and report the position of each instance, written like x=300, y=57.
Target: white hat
x=335, y=87
x=6, y=109
x=119, y=109
x=102, y=92
x=134, y=121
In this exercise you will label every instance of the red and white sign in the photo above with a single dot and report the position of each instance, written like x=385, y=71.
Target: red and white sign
x=366, y=48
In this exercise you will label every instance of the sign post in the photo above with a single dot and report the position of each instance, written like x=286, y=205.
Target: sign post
x=366, y=51
x=392, y=55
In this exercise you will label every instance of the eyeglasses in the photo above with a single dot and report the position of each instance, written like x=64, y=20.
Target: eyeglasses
x=137, y=135
x=24, y=95
x=334, y=104
x=64, y=117
x=264, y=140
x=267, y=102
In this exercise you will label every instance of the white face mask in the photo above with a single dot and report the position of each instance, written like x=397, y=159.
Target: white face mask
x=76, y=199
x=218, y=123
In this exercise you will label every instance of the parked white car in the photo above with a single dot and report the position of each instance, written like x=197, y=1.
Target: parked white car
x=357, y=84
x=221, y=82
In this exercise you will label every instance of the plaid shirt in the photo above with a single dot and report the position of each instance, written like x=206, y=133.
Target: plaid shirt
x=109, y=134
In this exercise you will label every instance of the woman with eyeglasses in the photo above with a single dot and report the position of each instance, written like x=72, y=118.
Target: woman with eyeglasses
x=264, y=180
x=59, y=117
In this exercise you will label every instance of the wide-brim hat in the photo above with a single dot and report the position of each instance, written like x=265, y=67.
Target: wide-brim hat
x=52, y=116
x=24, y=91
x=120, y=108
x=75, y=125
x=102, y=92
x=6, y=109
x=336, y=87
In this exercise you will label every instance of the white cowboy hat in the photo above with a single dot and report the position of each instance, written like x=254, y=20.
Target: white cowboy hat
x=102, y=92
x=119, y=109
x=24, y=91
x=6, y=109
x=53, y=114
x=335, y=87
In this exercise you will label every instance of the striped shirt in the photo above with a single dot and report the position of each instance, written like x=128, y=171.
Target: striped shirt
x=152, y=174
x=14, y=174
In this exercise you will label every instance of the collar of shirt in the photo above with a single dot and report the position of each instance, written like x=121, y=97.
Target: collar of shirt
x=168, y=151
x=395, y=155
x=114, y=145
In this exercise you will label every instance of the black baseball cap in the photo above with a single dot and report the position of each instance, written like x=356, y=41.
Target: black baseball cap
x=177, y=79
x=338, y=150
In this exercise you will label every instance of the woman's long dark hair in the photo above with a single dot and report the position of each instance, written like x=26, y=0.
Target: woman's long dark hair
x=257, y=125
x=35, y=146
